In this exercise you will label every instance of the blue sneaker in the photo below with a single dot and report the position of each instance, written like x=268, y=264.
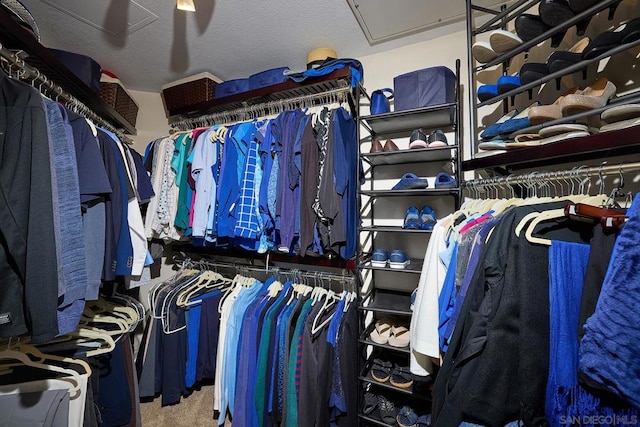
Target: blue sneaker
x=427, y=218
x=379, y=258
x=444, y=180
x=398, y=259
x=412, y=219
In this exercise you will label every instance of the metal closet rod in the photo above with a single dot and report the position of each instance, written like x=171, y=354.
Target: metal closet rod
x=33, y=74
x=579, y=172
x=286, y=271
x=246, y=113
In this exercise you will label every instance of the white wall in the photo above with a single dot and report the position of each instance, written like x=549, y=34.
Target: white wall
x=381, y=68
x=152, y=122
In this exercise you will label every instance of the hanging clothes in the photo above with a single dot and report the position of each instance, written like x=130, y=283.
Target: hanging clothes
x=506, y=313
x=27, y=223
x=261, y=185
x=259, y=342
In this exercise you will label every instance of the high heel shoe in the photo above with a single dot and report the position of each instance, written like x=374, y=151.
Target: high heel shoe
x=596, y=95
x=482, y=52
x=503, y=41
x=611, y=39
x=554, y=12
x=544, y=113
x=530, y=26
x=559, y=60
x=578, y=6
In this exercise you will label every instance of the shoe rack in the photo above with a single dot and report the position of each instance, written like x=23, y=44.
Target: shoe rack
x=385, y=292
x=601, y=15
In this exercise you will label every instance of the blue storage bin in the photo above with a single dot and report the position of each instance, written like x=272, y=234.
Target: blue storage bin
x=268, y=78
x=84, y=67
x=424, y=88
x=232, y=87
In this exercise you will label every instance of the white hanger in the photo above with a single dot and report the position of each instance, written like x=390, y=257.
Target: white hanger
x=25, y=360
x=328, y=302
x=43, y=358
x=207, y=280
x=85, y=334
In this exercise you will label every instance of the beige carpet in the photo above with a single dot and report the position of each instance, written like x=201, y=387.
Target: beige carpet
x=193, y=411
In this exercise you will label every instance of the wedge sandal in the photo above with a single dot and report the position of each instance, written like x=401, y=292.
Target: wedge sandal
x=401, y=377
x=381, y=370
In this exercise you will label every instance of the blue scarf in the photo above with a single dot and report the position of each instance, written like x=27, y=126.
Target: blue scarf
x=611, y=344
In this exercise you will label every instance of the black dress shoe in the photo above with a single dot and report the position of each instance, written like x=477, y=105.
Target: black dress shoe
x=581, y=5
x=532, y=71
x=555, y=12
x=530, y=26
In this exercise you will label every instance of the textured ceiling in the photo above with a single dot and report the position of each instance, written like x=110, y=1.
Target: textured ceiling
x=229, y=38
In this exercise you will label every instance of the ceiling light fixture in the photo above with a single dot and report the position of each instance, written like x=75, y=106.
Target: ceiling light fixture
x=186, y=5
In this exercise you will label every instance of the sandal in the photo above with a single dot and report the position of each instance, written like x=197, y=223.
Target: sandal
x=387, y=410
x=381, y=370
x=406, y=417
x=399, y=336
x=401, y=377
x=423, y=421
x=370, y=403
x=381, y=332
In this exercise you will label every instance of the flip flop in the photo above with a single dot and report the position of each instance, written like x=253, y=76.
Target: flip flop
x=620, y=125
x=401, y=377
x=620, y=112
x=524, y=140
x=563, y=137
x=381, y=370
x=497, y=144
x=562, y=128
x=381, y=332
x=400, y=336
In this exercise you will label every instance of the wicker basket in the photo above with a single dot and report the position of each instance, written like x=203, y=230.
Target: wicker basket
x=188, y=92
x=116, y=96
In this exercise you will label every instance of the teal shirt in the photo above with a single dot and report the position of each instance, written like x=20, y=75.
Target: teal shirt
x=181, y=166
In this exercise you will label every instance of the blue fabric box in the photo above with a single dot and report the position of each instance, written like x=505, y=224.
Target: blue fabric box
x=423, y=88
x=232, y=87
x=268, y=78
x=84, y=67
